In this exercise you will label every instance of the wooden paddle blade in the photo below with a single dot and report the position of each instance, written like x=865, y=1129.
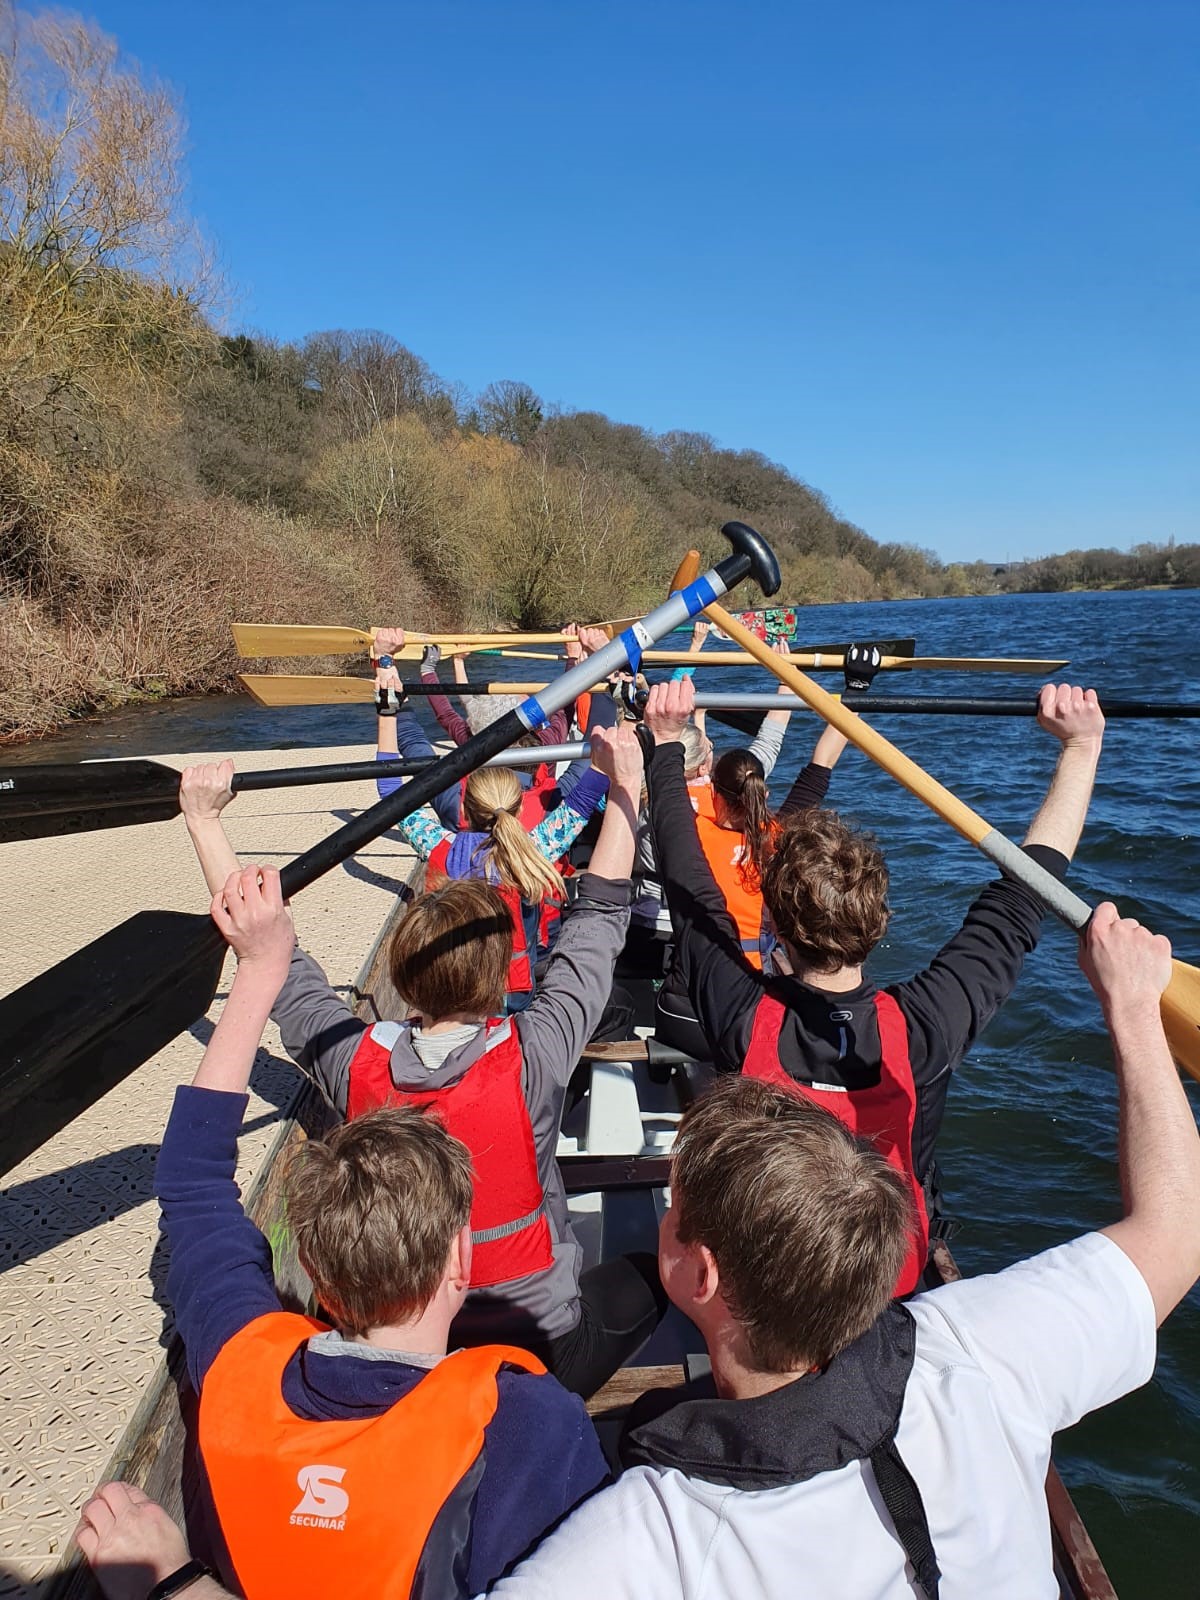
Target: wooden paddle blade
x=687, y=572
x=283, y=689
x=70, y=1035
x=1181, y=1016
x=45, y=802
x=284, y=639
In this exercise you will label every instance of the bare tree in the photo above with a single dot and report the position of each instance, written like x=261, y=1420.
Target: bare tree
x=511, y=411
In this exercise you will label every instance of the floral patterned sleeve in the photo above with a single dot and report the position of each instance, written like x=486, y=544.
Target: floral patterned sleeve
x=556, y=833
x=424, y=832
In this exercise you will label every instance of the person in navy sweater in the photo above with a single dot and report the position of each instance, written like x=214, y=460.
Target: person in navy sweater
x=380, y=1214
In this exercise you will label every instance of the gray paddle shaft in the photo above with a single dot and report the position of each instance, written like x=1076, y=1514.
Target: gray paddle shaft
x=1054, y=895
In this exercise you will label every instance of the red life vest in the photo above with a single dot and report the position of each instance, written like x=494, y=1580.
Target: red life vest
x=341, y=1507
x=537, y=802
x=884, y=1113
x=487, y=1110
x=520, y=968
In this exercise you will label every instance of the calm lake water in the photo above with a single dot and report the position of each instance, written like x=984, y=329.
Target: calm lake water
x=1028, y=1149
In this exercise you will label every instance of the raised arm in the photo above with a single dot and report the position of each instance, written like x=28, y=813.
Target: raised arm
x=1129, y=967
x=1074, y=717
x=578, y=978
x=722, y=988
x=220, y=1268
x=204, y=792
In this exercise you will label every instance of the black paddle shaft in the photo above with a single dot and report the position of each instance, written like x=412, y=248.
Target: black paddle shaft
x=943, y=705
x=70, y=1035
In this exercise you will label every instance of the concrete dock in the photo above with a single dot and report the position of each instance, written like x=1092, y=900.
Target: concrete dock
x=84, y=1322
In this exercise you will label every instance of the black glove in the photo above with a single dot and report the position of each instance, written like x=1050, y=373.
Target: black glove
x=860, y=664
x=388, y=702
x=631, y=699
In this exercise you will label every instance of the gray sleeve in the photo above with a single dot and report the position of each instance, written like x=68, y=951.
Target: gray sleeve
x=318, y=1029
x=578, y=980
x=768, y=742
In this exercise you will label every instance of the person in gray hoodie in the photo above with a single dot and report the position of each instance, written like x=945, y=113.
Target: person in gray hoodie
x=498, y=1082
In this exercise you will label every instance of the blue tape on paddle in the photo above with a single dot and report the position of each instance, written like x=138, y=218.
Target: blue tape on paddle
x=633, y=649
x=697, y=595
x=532, y=713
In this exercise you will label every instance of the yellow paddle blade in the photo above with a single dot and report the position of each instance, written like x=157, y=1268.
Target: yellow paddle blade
x=687, y=572
x=280, y=689
x=255, y=639
x=1181, y=1016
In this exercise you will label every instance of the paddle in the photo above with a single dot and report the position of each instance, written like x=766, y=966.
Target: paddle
x=1180, y=1003
x=71, y=1034
x=255, y=639
x=938, y=706
x=293, y=689
x=47, y=802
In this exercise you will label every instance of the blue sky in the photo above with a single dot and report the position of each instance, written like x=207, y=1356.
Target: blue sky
x=939, y=259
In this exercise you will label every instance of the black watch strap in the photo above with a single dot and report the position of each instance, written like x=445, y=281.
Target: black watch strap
x=190, y=1572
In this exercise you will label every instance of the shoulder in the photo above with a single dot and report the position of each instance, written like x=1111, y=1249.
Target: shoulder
x=537, y=1404
x=1031, y=1330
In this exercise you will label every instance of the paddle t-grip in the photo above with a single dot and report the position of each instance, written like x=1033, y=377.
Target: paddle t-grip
x=763, y=565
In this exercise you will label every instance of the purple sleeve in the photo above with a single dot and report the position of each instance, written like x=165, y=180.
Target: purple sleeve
x=220, y=1276
x=556, y=730
x=449, y=719
x=412, y=745
x=587, y=793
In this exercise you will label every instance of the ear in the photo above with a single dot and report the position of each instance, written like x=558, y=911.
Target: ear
x=707, y=1280
x=458, y=1268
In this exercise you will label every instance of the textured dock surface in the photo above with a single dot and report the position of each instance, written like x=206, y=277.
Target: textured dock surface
x=83, y=1316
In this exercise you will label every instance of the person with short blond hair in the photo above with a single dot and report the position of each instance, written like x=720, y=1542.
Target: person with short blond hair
x=878, y=1057
x=310, y=1434
x=851, y=1447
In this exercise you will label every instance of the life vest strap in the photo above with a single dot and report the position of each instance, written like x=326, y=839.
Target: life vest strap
x=504, y=1230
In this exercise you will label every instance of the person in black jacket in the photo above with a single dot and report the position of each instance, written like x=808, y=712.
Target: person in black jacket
x=826, y=891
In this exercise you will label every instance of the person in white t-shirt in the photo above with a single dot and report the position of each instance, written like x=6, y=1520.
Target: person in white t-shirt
x=778, y=1476
x=845, y=1447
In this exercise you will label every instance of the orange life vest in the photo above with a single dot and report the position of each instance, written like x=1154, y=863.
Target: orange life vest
x=520, y=967
x=487, y=1110
x=344, y=1507
x=884, y=1113
x=723, y=850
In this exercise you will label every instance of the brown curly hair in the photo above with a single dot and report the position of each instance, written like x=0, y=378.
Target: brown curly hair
x=826, y=887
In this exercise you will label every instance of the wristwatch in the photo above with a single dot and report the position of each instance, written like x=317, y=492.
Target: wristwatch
x=190, y=1572
x=383, y=661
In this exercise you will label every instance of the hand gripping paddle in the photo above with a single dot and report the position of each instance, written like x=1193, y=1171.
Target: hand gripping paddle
x=68, y=1036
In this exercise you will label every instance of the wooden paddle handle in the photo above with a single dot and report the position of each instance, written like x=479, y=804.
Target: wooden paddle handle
x=914, y=778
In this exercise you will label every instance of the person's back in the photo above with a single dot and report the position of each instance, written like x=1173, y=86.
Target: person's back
x=879, y=1057
x=309, y=1429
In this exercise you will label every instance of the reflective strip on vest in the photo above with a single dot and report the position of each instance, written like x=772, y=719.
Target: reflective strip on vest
x=502, y=1230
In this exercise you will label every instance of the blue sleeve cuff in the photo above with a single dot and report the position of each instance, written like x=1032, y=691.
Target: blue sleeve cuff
x=588, y=793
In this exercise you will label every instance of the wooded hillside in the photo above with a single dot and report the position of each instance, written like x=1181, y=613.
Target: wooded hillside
x=160, y=478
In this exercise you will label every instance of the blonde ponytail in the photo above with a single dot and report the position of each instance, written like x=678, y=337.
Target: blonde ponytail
x=493, y=803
